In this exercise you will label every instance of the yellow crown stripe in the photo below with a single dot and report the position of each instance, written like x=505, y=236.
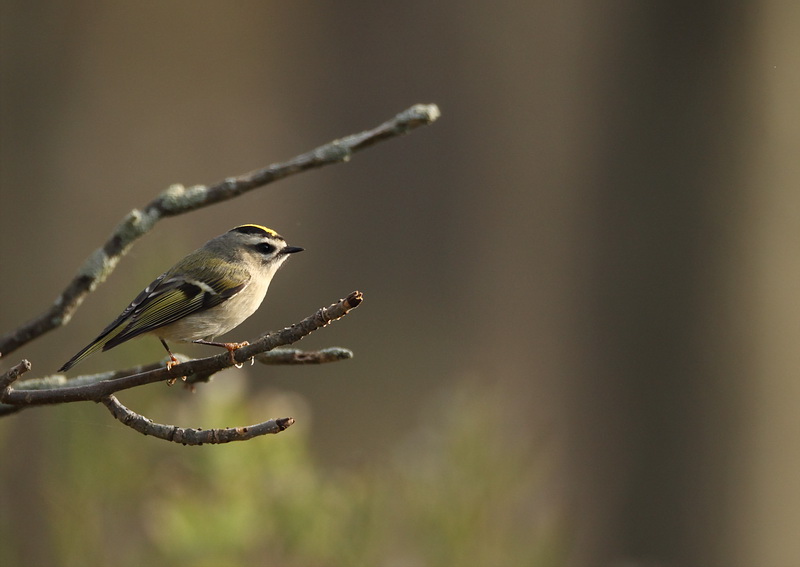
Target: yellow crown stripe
x=258, y=226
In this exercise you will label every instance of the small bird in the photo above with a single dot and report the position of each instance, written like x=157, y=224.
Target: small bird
x=208, y=293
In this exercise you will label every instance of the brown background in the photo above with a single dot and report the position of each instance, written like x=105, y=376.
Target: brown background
x=602, y=226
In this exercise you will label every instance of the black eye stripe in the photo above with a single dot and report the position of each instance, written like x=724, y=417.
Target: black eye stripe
x=264, y=248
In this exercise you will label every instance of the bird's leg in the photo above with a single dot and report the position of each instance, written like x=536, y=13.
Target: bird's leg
x=230, y=346
x=171, y=362
x=172, y=358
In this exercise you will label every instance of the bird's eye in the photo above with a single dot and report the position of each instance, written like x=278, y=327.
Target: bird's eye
x=265, y=248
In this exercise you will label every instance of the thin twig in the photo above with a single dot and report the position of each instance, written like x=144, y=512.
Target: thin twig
x=8, y=378
x=202, y=367
x=287, y=357
x=177, y=200
x=192, y=436
x=292, y=356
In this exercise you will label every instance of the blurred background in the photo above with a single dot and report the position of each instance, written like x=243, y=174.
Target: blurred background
x=578, y=340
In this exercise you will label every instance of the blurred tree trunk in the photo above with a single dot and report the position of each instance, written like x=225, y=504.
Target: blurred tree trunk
x=657, y=411
x=770, y=513
x=632, y=316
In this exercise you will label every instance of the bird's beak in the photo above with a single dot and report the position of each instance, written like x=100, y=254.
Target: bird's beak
x=291, y=250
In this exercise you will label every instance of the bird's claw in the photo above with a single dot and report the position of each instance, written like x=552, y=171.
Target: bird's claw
x=171, y=363
x=232, y=347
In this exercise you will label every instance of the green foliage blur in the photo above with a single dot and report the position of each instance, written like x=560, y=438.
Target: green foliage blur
x=461, y=489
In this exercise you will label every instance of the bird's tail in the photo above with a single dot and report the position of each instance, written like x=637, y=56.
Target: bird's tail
x=100, y=343
x=86, y=351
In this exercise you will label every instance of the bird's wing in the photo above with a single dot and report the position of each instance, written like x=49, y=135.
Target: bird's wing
x=168, y=298
x=173, y=298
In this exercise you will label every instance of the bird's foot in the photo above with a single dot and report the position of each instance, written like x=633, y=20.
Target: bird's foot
x=233, y=347
x=171, y=363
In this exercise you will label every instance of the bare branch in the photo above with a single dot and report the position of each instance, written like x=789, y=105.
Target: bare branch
x=279, y=356
x=287, y=356
x=8, y=378
x=191, y=369
x=293, y=356
x=177, y=200
x=10, y=375
x=192, y=436
x=56, y=381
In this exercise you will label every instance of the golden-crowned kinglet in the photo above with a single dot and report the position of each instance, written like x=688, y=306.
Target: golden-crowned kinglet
x=208, y=293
